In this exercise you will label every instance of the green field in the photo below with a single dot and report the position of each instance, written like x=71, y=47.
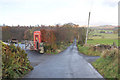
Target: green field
x=103, y=41
x=103, y=38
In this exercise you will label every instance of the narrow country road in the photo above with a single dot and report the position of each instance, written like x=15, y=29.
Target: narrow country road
x=68, y=64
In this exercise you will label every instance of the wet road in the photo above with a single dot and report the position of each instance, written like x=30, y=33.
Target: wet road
x=68, y=64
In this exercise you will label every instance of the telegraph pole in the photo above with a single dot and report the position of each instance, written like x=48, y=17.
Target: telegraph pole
x=87, y=28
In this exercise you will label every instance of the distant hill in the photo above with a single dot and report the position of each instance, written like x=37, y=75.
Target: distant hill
x=102, y=27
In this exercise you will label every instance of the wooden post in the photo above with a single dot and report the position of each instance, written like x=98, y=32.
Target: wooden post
x=87, y=28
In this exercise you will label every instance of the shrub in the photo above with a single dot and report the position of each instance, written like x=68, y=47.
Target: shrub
x=15, y=63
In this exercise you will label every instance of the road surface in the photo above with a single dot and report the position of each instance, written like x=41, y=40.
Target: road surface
x=67, y=64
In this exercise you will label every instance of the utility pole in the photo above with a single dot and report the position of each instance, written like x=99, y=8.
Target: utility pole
x=87, y=28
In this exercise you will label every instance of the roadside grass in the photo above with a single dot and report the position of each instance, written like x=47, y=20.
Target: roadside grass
x=87, y=50
x=107, y=64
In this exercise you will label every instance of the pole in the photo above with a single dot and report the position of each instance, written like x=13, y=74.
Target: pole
x=87, y=28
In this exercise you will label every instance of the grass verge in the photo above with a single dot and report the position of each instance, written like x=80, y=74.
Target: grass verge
x=87, y=50
x=107, y=64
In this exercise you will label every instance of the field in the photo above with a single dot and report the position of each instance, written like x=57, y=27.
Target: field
x=102, y=38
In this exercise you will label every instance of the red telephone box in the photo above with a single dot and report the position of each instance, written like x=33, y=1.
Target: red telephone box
x=37, y=39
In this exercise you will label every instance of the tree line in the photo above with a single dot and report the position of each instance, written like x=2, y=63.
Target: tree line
x=51, y=35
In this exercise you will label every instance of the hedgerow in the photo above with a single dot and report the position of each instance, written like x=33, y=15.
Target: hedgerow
x=15, y=63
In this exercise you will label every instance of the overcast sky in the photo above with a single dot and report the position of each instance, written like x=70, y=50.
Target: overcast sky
x=51, y=12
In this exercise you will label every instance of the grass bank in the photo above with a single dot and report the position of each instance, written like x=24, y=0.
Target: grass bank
x=88, y=50
x=107, y=64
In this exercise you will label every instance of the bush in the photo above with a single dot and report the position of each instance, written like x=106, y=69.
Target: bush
x=15, y=63
x=59, y=47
